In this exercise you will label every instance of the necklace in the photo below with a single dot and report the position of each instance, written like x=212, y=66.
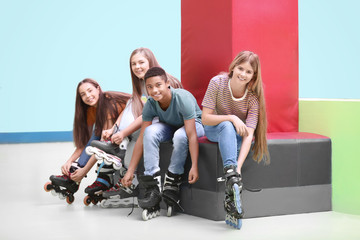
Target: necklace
x=234, y=98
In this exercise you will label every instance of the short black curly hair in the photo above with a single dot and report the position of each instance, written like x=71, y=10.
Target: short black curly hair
x=156, y=71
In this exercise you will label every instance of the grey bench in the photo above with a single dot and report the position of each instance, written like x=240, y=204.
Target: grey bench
x=298, y=179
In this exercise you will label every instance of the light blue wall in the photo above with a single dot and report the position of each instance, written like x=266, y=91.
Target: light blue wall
x=47, y=47
x=329, y=49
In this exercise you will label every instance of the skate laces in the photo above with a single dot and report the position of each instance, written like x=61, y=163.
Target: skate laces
x=63, y=176
x=114, y=188
x=95, y=184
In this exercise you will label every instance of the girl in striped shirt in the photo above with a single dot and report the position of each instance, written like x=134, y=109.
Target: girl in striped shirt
x=233, y=114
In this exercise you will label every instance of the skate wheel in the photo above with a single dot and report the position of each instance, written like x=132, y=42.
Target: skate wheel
x=233, y=222
x=47, y=187
x=99, y=156
x=62, y=196
x=107, y=161
x=70, y=199
x=53, y=192
x=103, y=204
x=87, y=200
x=145, y=215
x=94, y=201
x=117, y=166
x=89, y=150
x=169, y=211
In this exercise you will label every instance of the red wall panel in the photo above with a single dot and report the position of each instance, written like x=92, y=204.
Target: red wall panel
x=214, y=31
x=206, y=46
x=270, y=29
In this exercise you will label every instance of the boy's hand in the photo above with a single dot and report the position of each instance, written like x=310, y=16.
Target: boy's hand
x=193, y=175
x=127, y=179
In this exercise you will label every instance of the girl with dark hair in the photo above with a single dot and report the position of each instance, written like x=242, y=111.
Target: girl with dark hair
x=95, y=111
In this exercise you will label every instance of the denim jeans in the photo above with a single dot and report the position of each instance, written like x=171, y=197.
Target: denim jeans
x=229, y=141
x=84, y=158
x=160, y=132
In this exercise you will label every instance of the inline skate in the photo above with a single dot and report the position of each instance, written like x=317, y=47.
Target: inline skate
x=150, y=203
x=232, y=202
x=111, y=148
x=102, y=156
x=103, y=182
x=171, y=192
x=62, y=186
x=120, y=196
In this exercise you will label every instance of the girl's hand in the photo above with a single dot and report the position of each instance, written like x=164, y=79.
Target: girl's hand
x=127, y=179
x=240, y=126
x=106, y=134
x=193, y=175
x=66, y=168
x=78, y=175
x=238, y=169
x=117, y=138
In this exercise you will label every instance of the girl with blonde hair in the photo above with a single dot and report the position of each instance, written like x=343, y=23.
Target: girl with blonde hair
x=233, y=115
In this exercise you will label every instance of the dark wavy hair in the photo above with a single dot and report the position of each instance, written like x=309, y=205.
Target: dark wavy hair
x=108, y=106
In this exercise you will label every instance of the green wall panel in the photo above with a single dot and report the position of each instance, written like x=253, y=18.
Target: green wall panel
x=338, y=120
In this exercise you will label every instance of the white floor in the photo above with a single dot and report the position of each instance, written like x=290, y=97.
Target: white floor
x=27, y=211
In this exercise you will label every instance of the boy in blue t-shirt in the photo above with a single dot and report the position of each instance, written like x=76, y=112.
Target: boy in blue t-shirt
x=179, y=121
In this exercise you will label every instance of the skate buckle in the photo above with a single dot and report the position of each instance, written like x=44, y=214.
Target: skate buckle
x=221, y=179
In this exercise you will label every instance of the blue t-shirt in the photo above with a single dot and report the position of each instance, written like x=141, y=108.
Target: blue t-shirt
x=183, y=106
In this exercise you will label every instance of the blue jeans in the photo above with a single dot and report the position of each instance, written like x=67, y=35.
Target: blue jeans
x=229, y=141
x=84, y=158
x=159, y=132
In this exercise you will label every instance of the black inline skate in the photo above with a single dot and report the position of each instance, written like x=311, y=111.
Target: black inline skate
x=232, y=202
x=150, y=203
x=62, y=186
x=103, y=182
x=171, y=192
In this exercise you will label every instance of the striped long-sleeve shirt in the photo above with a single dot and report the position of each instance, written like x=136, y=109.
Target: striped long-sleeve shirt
x=219, y=98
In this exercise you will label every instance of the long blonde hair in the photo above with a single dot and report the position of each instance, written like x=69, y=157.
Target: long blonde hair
x=259, y=148
x=137, y=83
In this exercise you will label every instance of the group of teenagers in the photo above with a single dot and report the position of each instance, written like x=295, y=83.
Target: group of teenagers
x=159, y=110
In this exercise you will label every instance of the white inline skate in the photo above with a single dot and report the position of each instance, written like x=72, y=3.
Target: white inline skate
x=102, y=156
x=120, y=196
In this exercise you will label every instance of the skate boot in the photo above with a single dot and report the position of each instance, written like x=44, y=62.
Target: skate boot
x=150, y=203
x=62, y=186
x=232, y=202
x=103, y=182
x=120, y=196
x=171, y=192
x=111, y=148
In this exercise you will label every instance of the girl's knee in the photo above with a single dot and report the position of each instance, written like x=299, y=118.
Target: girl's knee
x=227, y=127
